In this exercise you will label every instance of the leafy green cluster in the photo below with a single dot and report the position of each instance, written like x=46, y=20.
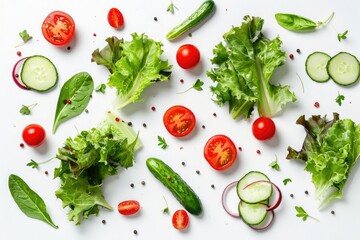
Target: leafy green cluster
x=87, y=159
x=133, y=65
x=330, y=150
x=245, y=64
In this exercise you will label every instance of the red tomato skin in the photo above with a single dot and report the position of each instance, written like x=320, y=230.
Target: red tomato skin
x=58, y=28
x=263, y=128
x=219, y=146
x=187, y=56
x=34, y=135
x=179, y=121
x=115, y=18
x=128, y=207
x=180, y=219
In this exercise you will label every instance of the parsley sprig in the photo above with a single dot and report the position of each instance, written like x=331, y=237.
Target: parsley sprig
x=26, y=110
x=25, y=37
x=100, y=88
x=171, y=8
x=342, y=36
x=34, y=164
x=339, y=99
x=301, y=213
x=162, y=143
x=197, y=86
x=274, y=164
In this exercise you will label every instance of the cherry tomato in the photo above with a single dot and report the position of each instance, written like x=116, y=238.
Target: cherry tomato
x=33, y=135
x=58, y=28
x=263, y=128
x=187, y=56
x=179, y=120
x=128, y=207
x=115, y=18
x=220, y=152
x=180, y=219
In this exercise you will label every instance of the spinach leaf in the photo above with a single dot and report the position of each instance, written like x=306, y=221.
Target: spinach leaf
x=74, y=97
x=298, y=23
x=28, y=201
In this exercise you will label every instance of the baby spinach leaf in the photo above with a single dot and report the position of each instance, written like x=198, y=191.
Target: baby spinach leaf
x=28, y=201
x=74, y=97
x=298, y=23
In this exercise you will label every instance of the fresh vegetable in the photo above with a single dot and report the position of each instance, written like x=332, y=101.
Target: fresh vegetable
x=344, y=68
x=263, y=128
x=298, y=23
x=87, y=159
x=286, y=181
x=128, y=207
x=178, y=187
x=253, y=195
x=38, y=73
x=275, y=165
x=171, y=8
x=115, y=18
x=58, y=28
x=26, y=110
x=162, y=142
x=15, y=75
x=330, y=151
x=179, y=121
x=197, y=86
x=245, y=64
x=180, y=219
x=315, y=66
x=133, y=65
x=252, y=214
x=73, y=98
x=224, y=195
x=342, y=36
x=187, y=56
x=29, y=202
x=220, y=152
x=197, y=17
x=34, y=135
x=25, y=36
x=301, y=213
x=339, y=99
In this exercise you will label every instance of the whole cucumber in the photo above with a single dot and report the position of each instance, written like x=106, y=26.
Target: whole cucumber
x=193, y=20
x=178, y=187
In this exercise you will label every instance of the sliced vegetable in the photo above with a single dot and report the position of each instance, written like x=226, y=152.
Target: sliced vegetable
x=298, y=23
x=197, y=17
x=58, y=28
x=268, y=220
x=38, y=73
x=34, y=135
x=256, y=194
x=220, y=152
x=128, y=207
x=263, y=128
x=16, y=75
x=187, y=56
x=179, y=121
x=224, y=202
x=115, y=18
x=180, y=219
x=252, y=214
x=344, y=68
x=316, y=66
x=178, y=187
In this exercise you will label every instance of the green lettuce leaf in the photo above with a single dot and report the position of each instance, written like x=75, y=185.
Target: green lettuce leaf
x=330, y=150
x=134, y=65
x=245, y=63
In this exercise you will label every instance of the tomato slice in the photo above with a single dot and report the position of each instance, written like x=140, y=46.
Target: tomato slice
x=128, y=207
x=115, y=18
x=58, y=28
x=220, y=152
x=180, y=219
x=179, y=120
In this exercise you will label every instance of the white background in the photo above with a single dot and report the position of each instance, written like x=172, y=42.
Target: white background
x=151, y=223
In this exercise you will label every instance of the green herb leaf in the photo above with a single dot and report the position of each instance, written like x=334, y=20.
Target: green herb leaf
x=275, y=165
x=339, y=99
x=342, y=36
x=100, y=88
x=32, y=164
x=286, y=181
x=25, y=36
x=171, y=8
x=166, y=209
x=162, y=143
x=298, y=23
x=29, y=202
x=197, y=86
x=26, y=110
x=301, y=213
x=74, y=97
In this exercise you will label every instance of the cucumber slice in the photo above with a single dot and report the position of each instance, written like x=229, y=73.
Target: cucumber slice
x=344, y=68
x=256, y=193
x=316, y=66
x=39, y=73
x=252, y=214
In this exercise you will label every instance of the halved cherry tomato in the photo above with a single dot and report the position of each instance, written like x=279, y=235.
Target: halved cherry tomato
x=220, y=152
x=33, y=135
x=180, y=219
x=128, y=207
x=179, y=120
x=188, y=56
x=263, y=128
x=115, y=18
x=58, y=28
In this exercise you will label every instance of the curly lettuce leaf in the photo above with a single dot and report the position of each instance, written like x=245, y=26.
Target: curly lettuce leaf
x=330, y=150
x=134, y=65
x=245, y=63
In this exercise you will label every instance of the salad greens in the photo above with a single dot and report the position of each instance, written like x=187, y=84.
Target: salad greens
x=298, y=23
x=87, y=159
x=301, y=213
x=330, y=151
x=342, y=36
x=29, y=202
x=26, y=110
x=197, y=86
x=245, y=64
x=133, y=65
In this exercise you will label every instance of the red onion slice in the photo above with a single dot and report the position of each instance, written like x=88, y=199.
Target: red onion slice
x=224, y=197
x=15, y=75
x=269, y=219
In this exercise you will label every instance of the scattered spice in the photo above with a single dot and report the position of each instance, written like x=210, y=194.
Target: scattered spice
x=203, y=126
x=103, y=221
x=212, y=186
x=135, y=232
x=190, y=34
x=197, y=172
x=86, y=111
x=22, y=145
x=306, y=192
x=94, y=34
x=155, y=19
x=298, y=50
x=130, y=124
x=144, y=125
x=316, y=104
x=183, y=163
x=143, y=183
x=291, y=56
x=333, y=212
x=153, y=108
x=117, y=119
x=169, y=178
x=292, y=195
x=258, y=151
x=132, y=185
x=68, y=48
x=46, y=172
x=18, y=53
x=67, y=101
x=181, y=80
x=240, y=148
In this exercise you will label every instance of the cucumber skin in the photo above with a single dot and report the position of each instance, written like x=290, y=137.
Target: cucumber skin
x=193, y=20
x=337, y=82
x=178, y=187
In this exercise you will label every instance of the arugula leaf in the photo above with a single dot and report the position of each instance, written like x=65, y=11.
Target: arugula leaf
x=171, y=8
x=301, y=213
x=339, y=99
x=342, y=36
x=100, y=88
x=286, y=181
x=26, y=110
x=245, y=63
x=162, y=143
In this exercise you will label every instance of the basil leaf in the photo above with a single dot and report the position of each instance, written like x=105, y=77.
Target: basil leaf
x=28, y=201
x=74, y=97
x=294, y=22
